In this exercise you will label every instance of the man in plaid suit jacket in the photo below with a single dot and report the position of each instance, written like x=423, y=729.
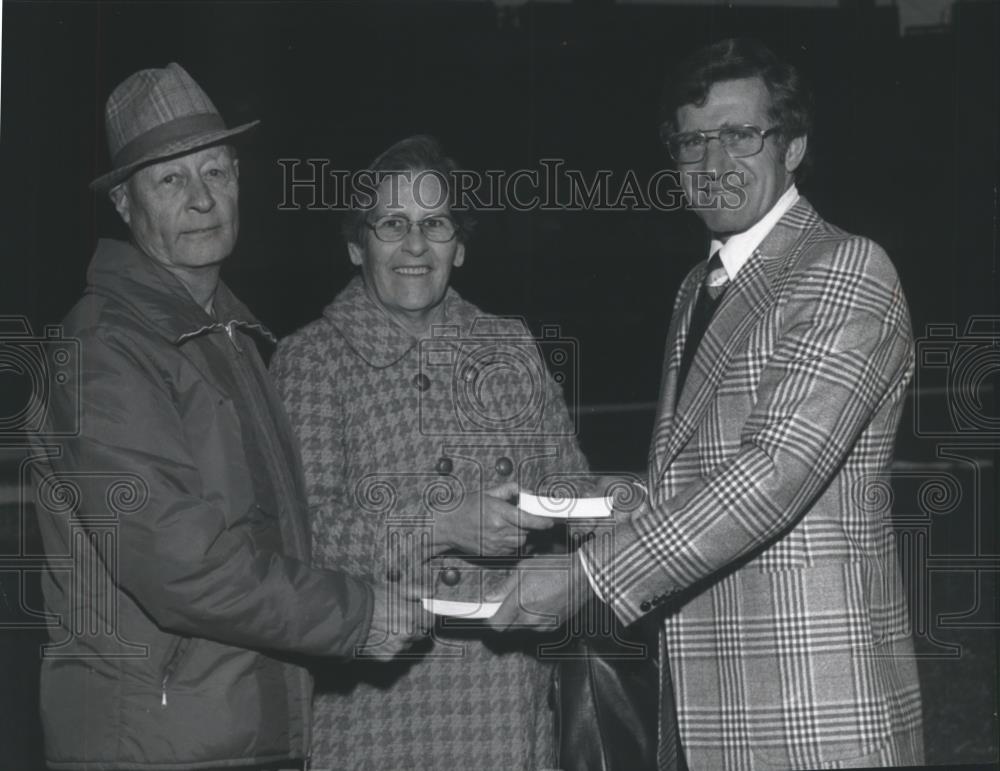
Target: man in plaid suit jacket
x=764, y=540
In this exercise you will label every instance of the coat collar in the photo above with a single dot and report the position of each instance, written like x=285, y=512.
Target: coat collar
x=121, y=271
x=372, y=333
x=751, y=293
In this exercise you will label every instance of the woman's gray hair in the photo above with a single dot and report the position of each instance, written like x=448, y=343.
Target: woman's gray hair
x=419, y=153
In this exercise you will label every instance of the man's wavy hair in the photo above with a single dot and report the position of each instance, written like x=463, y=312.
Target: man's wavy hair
x=737, y=58
x=415, y=154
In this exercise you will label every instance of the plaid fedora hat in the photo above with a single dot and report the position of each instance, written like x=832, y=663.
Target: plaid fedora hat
x=156, y=114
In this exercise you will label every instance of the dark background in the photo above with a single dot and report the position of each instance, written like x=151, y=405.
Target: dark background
x=905, y=151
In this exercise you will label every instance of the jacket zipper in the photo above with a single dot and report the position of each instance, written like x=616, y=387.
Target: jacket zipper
x=244, y=371
x=249, y=384
x=171, y=666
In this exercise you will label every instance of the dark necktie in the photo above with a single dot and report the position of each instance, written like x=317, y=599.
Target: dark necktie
x=716, y=279
x=709, y=295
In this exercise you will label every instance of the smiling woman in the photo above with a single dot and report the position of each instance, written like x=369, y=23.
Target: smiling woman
x=391, y=450
x=409, y=248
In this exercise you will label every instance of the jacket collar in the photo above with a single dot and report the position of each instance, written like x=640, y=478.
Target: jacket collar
x=121, y=271
x=372, y=333
x=785, y=238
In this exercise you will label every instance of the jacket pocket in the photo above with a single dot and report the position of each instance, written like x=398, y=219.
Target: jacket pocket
x=171, y=665
x=814, y=685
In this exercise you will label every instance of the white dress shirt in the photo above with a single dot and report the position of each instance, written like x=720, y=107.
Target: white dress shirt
x=736, y=250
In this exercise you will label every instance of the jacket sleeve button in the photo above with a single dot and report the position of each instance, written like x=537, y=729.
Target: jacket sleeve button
x=645, y=607
x=504, y=466
x=421, y=382
x=444, y=465
x=450, y=576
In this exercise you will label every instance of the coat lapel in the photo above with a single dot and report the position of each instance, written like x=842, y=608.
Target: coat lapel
x=676, y=339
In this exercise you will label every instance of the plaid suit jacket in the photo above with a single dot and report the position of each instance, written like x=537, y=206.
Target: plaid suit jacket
x=767, y=535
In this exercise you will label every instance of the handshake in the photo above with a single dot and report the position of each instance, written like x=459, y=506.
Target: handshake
x=542, y=592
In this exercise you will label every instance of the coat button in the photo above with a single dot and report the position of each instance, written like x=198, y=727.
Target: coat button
x=444, y=465
x=645, y=607
x=421, y=382
x=504, y=466
x=450, y=576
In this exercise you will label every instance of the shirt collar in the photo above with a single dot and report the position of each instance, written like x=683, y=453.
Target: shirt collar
x=737, y=249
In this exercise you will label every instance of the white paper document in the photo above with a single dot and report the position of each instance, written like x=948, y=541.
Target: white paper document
x=461, y=609
x=564, y=508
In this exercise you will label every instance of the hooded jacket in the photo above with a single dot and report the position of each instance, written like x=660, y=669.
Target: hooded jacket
x=172, y=510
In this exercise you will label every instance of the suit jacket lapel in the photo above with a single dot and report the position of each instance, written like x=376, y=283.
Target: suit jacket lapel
x=676, y=339
x=745, y=301
x=741, y=306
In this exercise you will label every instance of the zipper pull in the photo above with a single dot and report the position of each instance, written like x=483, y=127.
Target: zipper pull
x=232, y=338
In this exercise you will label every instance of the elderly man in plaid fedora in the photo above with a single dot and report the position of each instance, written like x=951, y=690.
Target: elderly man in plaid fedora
x=787, y=362
x=176, y=490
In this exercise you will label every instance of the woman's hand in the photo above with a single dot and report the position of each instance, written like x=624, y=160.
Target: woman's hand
x=485, y=524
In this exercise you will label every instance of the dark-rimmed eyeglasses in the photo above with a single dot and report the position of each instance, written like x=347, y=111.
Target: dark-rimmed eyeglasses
x=392, y=228
x=737, y=141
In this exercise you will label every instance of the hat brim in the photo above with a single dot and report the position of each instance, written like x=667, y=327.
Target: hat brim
x=181, y=146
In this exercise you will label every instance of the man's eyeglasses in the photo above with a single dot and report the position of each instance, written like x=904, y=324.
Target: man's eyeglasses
x=737, y=141
x=392, y=228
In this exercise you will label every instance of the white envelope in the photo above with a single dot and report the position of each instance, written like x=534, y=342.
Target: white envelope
x=461, y=609
x=564, y=508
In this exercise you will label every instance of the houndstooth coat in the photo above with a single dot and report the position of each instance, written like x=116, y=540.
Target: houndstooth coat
x=791, y=647
x=387, y=431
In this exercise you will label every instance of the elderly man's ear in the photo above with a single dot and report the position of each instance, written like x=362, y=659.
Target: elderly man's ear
x=119, y=197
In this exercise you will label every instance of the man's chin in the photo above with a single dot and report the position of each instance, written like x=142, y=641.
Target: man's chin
x=206, y=256
x=722, y=224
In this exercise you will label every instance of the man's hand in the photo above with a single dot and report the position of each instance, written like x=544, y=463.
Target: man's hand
x=398, y=618
x=486, y=524
x=542, y=593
